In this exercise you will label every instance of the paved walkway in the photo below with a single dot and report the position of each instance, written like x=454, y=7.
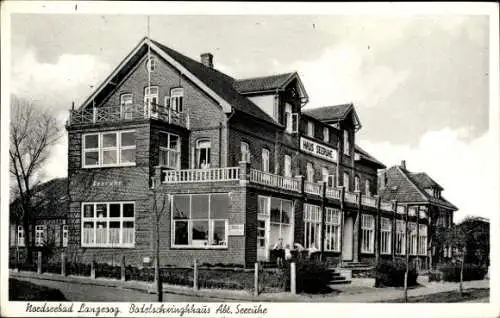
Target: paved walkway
x=360, y=291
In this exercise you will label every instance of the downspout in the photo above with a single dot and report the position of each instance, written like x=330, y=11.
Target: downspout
x=227, y=136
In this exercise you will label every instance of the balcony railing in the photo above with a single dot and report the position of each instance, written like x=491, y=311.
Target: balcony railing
x=201, y=175
x=351, y=197
x=312, y=188
x=369, y=201
x=273, y=180
x=401, y=209
x=332, y=193
x=118, y=113
x=386, y=206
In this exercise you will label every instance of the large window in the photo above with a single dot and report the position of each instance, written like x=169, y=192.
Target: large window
x=126, y=101
x=332, y=230
x=312, y=226
x=422, y=239
x=347, y=145
x=385, y=235
x=151, y=98
x=400, y=245
x=200, y=220
x=367, y=233
x=108, y=149
x=39, y=235
x=287, y=171
x=326, y=134
x=265, y=160
x=203, y=154
x=310, y=129
x=176, y=99
x=281, y=221
x=108, y=224
x=20, y=236
x=368, y=192
x=346, y=181
x=170, y=150
x=310, y=172
x=412, y=229
x=245, y=152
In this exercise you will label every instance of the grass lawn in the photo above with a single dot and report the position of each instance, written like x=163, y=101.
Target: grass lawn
x=22, y=290
x=447, y=297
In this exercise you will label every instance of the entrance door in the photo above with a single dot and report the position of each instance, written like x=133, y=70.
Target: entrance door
x=347, y=239
x=262, y=239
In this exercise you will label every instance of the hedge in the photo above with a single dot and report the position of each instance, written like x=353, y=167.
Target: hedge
x=392, y=274
x=451, y=272
x=312, y=276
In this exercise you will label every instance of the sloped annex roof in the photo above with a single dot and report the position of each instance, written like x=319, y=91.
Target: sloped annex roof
x=50, y=200
x=403, y=188
x=366, y=156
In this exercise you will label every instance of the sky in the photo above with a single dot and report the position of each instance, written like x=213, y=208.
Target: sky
x=420, y=84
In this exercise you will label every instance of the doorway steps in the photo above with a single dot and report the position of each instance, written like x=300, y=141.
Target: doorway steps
x=339, y=276
x=358, y=269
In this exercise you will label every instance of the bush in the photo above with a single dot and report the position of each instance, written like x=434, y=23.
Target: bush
x=78, y=269
x=392, y=274
x=311, y=276
x=451, y=272
x=108, y=271
x=435, y=276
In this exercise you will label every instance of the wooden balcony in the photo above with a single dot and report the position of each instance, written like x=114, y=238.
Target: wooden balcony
x=115, y=114
x=333, y=193
x=368, y=201
x=201, y=175
x=312, y=188
x=386, y=206
x=274, y=180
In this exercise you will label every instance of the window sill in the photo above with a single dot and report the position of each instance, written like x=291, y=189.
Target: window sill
x=192, y=247
x=111, y=166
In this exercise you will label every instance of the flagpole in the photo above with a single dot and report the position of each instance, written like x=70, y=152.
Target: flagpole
x=148, y=64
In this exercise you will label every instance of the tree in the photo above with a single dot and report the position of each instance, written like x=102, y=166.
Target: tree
x=455, y=238
x=33, y=132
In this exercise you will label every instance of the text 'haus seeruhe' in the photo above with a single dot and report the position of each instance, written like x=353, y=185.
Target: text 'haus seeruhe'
x=232, y=166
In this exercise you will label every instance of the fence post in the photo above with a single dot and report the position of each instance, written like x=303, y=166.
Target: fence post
x=92, y=267
x=123, y=269
x=63, y=264
x=256, y=280
x=293, y=286
x=39, y=263
x=195, y=275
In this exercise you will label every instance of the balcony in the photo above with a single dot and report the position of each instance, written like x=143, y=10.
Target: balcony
x=312, y=188
x=369, y=201
x=274, y=180
x=386, y=206
x=201, y=175
x=114, y=114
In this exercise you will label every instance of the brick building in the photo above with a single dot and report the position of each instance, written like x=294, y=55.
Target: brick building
x=227, y=166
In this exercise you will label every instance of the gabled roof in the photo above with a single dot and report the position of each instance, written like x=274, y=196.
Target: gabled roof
x=403, y=188
x=333, y=114
x=363, y=155
x=217, y=85
x=424, y=181
x=50, y=200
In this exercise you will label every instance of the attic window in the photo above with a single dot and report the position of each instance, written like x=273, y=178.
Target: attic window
x=151, y=64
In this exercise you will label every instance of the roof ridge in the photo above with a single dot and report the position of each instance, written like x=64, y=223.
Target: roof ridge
x=264, y=76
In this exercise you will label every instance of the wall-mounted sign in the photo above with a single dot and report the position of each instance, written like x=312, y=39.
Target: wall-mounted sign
x=236, y=230
x=318, y=150
x=112, y=183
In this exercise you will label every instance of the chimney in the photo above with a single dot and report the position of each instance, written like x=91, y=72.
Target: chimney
x=403, y=164
x=207, y=59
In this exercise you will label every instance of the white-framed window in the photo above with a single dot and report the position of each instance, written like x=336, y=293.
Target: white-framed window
x=20, y=236
x=265, y=160
x=422, y=239
x=400, y=244
x=39, y=235
x=367, y=233
x=290, y=120
x=126, y=102
x=356, y=183
x=177, y=99
x=332, y=230
x=346, y=181
x=310, y=129
x=151, y=98
x=385, y=235
x=151, y=64
x=109, y=149
x=324, y=174
x=281, y=221
x=169, y=150
x=310, y=172
x=347, y=145
x=108, y=224
x=326, y=134
x=200, y=220
x=203, y=154
x=368, y=191
x=245, y=152
x=312, y=226
x=412, y=229
x=65, y=235
x=287, y=171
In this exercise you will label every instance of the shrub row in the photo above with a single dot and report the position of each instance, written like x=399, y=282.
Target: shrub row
x=392, y=274
x=451, y=272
